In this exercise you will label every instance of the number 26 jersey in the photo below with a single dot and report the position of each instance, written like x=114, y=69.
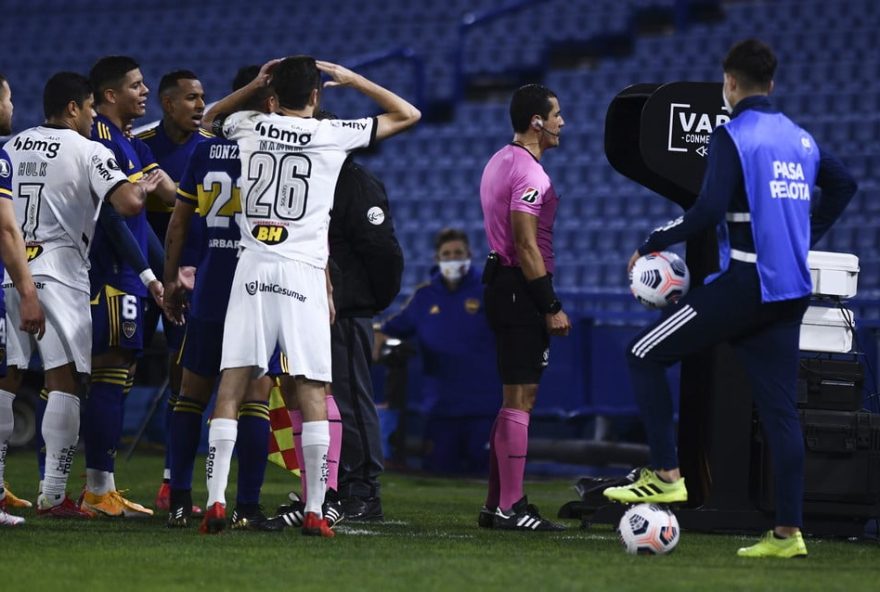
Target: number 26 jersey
x=289, y=169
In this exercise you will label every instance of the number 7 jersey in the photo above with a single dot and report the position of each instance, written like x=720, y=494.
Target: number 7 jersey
x=290, y=166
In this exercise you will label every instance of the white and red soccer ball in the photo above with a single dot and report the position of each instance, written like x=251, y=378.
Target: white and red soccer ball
x=649, y=529
x=659, y=279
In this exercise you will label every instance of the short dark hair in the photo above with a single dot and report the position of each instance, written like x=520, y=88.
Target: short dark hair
x=108, y=72
x=62, y=88
x=322, y=114
x=527, y=101
x=752, y=62
x=244, y=75
x=294, y=79
x=447, y=235
x=171, y=79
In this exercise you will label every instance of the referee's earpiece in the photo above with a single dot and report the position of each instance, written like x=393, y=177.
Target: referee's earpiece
x=537, y=124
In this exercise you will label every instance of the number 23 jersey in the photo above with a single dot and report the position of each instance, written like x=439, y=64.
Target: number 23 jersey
x=290, y=166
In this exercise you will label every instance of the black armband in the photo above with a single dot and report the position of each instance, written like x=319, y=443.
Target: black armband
x=541, y=291
x=217, y=125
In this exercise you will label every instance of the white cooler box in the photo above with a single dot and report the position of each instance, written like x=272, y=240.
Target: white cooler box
x=833, y=274
x=827, y=330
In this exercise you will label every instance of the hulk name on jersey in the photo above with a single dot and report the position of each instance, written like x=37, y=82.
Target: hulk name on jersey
x=56, y=205
x=290, y=166
x=210, y=183
x=135, y=159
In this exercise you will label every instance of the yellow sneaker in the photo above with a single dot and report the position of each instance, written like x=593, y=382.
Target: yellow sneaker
x=648, y=489
x=107, y=504
x=12, y=501
x=770, y=546
x=132, y=509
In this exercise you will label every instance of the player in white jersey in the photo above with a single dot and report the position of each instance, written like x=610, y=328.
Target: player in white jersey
x=61, y=178
x=31, y=313
x=290, y=164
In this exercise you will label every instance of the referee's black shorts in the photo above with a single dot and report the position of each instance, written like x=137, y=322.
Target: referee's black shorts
x=521, y=335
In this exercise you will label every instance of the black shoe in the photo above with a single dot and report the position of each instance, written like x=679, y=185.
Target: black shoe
x=332, y=508
x=179, y=508
x=251, y=517
x=486, y=519
x=523, y=516
x=362, y=509
x=293, y=513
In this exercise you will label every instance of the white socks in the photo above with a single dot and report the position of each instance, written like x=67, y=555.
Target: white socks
x=7, y=420
x=221, y=442
x=315, y=443
x=61, y=432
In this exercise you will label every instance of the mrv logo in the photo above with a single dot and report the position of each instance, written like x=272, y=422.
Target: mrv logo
x=689, y=130
x=256, y=286
x=285, y=136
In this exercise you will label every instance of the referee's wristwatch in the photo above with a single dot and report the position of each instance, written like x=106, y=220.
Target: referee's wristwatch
x=555, y=307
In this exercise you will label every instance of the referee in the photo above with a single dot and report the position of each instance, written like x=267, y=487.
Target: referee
x=519, y=208
x=760, y=176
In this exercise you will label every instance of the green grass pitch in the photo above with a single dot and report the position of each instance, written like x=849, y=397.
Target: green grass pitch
x=429, y=541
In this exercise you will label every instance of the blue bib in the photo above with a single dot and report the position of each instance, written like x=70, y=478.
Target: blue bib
x=780, y=162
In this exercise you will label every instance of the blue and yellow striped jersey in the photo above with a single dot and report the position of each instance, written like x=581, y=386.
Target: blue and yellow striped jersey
x=210, y=182
x=135, y=159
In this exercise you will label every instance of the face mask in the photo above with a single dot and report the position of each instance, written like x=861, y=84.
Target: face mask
x=453, y=271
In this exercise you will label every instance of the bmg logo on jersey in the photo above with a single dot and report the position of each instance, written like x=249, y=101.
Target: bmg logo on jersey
x=30, y=144
x=285, y=136
x=269, y=235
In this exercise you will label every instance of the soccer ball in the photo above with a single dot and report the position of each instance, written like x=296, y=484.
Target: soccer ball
x=658, y=279
x=648, y=529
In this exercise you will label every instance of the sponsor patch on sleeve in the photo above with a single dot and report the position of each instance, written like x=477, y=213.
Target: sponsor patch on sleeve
x=530, y=195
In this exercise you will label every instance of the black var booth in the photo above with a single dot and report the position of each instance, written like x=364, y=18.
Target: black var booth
x=657, y=135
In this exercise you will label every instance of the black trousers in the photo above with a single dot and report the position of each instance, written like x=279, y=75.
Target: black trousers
x=361, y=460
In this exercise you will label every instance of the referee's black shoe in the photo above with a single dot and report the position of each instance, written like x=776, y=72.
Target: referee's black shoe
x=523, y=516
x=179, y=508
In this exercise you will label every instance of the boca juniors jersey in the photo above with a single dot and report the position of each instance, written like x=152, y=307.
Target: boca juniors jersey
x=135, y=159
x=210, y=183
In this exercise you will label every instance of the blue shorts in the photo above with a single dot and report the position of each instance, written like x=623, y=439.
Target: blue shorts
x=117, y=320
x=202, y=348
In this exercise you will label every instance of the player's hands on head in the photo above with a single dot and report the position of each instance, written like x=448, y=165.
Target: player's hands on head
x=264, y=77
x=33, y=320
x=340, y=75
x=558, y=324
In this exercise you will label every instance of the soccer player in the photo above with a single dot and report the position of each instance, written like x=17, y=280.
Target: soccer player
x=290, y=164
x=61, y=180
x=32, y=318
x=519, y=208
x=118, y=291
x=757, y=191
x=210, y=182
x=172, y=142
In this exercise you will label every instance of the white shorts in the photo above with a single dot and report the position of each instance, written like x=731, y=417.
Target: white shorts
x=68, y=335
x=277, y=300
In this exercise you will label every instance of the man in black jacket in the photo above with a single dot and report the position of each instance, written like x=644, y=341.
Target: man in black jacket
x=366, y=268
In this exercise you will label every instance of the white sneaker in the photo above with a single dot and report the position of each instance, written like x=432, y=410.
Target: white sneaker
x=10, y=520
